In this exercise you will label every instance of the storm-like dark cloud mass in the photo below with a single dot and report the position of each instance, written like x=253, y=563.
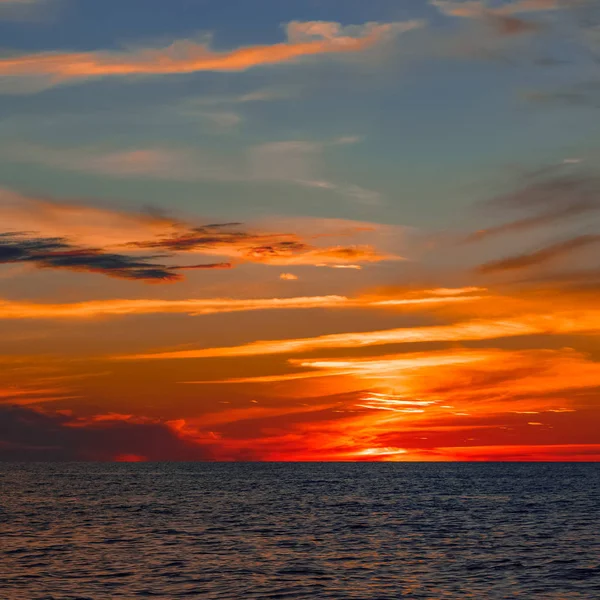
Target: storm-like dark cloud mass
x=58, y=253
x=27, y=434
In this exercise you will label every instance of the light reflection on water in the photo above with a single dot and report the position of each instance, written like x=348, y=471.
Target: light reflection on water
x=247, y=530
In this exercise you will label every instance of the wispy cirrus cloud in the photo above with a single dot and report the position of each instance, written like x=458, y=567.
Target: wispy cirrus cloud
x=539, y=257
x=303, y=39
x=486, y=380
x=264, y=94
x=560, y=204
x=206, y=306
x=469, y=9
x=30, y=395
x=295, y=162
x=551, y=217
x=549, y=198
x=556, y=323
x=392, y=368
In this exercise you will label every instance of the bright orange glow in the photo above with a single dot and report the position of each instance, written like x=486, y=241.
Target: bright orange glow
x=349, y=267
x=129, y=458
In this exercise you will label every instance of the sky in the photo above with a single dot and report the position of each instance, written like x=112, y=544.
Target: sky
x=312, y=230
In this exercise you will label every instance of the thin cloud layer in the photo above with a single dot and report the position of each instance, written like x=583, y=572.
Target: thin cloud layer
x=560, y=202
x=207, y=306
x=502, y=19
x=556, y=199
x=473, y=9
x=556, y=323
x=541, y=256
x=294, y=162
x=304, y=39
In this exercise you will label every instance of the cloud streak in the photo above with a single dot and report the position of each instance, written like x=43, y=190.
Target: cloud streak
x=304, y=39
x=583, y=321
x=105, y=308
x=470, y=9
x=502, y=19
x=294, y=162
x=539, y=257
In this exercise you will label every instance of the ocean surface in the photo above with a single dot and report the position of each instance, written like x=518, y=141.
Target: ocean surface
x=248, y=530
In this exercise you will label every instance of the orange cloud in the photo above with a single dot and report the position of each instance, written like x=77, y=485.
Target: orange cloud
x=583, y=321
x=122, y=232
x=205, y=306
x=83, y=223
x=501, y=18
x=30, y=395
x=184, y=56
x=452, y=406
x=479, y=404
x=470, y=9
x=389, y=367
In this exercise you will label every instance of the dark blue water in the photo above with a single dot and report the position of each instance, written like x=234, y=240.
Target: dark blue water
x=233, y=531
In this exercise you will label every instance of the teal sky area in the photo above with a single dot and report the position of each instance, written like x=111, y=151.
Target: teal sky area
x=412, y=132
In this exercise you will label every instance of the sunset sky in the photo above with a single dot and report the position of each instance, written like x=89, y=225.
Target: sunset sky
x=299, y=230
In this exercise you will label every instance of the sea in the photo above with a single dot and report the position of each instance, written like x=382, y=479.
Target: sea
x=300, y=530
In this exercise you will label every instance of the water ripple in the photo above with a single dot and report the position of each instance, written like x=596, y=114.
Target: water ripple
x=292, y=531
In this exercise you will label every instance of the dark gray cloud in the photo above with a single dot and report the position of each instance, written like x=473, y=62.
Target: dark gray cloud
x=561, y=200
x=553, y=186
x=544, y=219
x=59, y=253
x=549, y=197
x=216, y=235
x=541, y=256
x=31, y=435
